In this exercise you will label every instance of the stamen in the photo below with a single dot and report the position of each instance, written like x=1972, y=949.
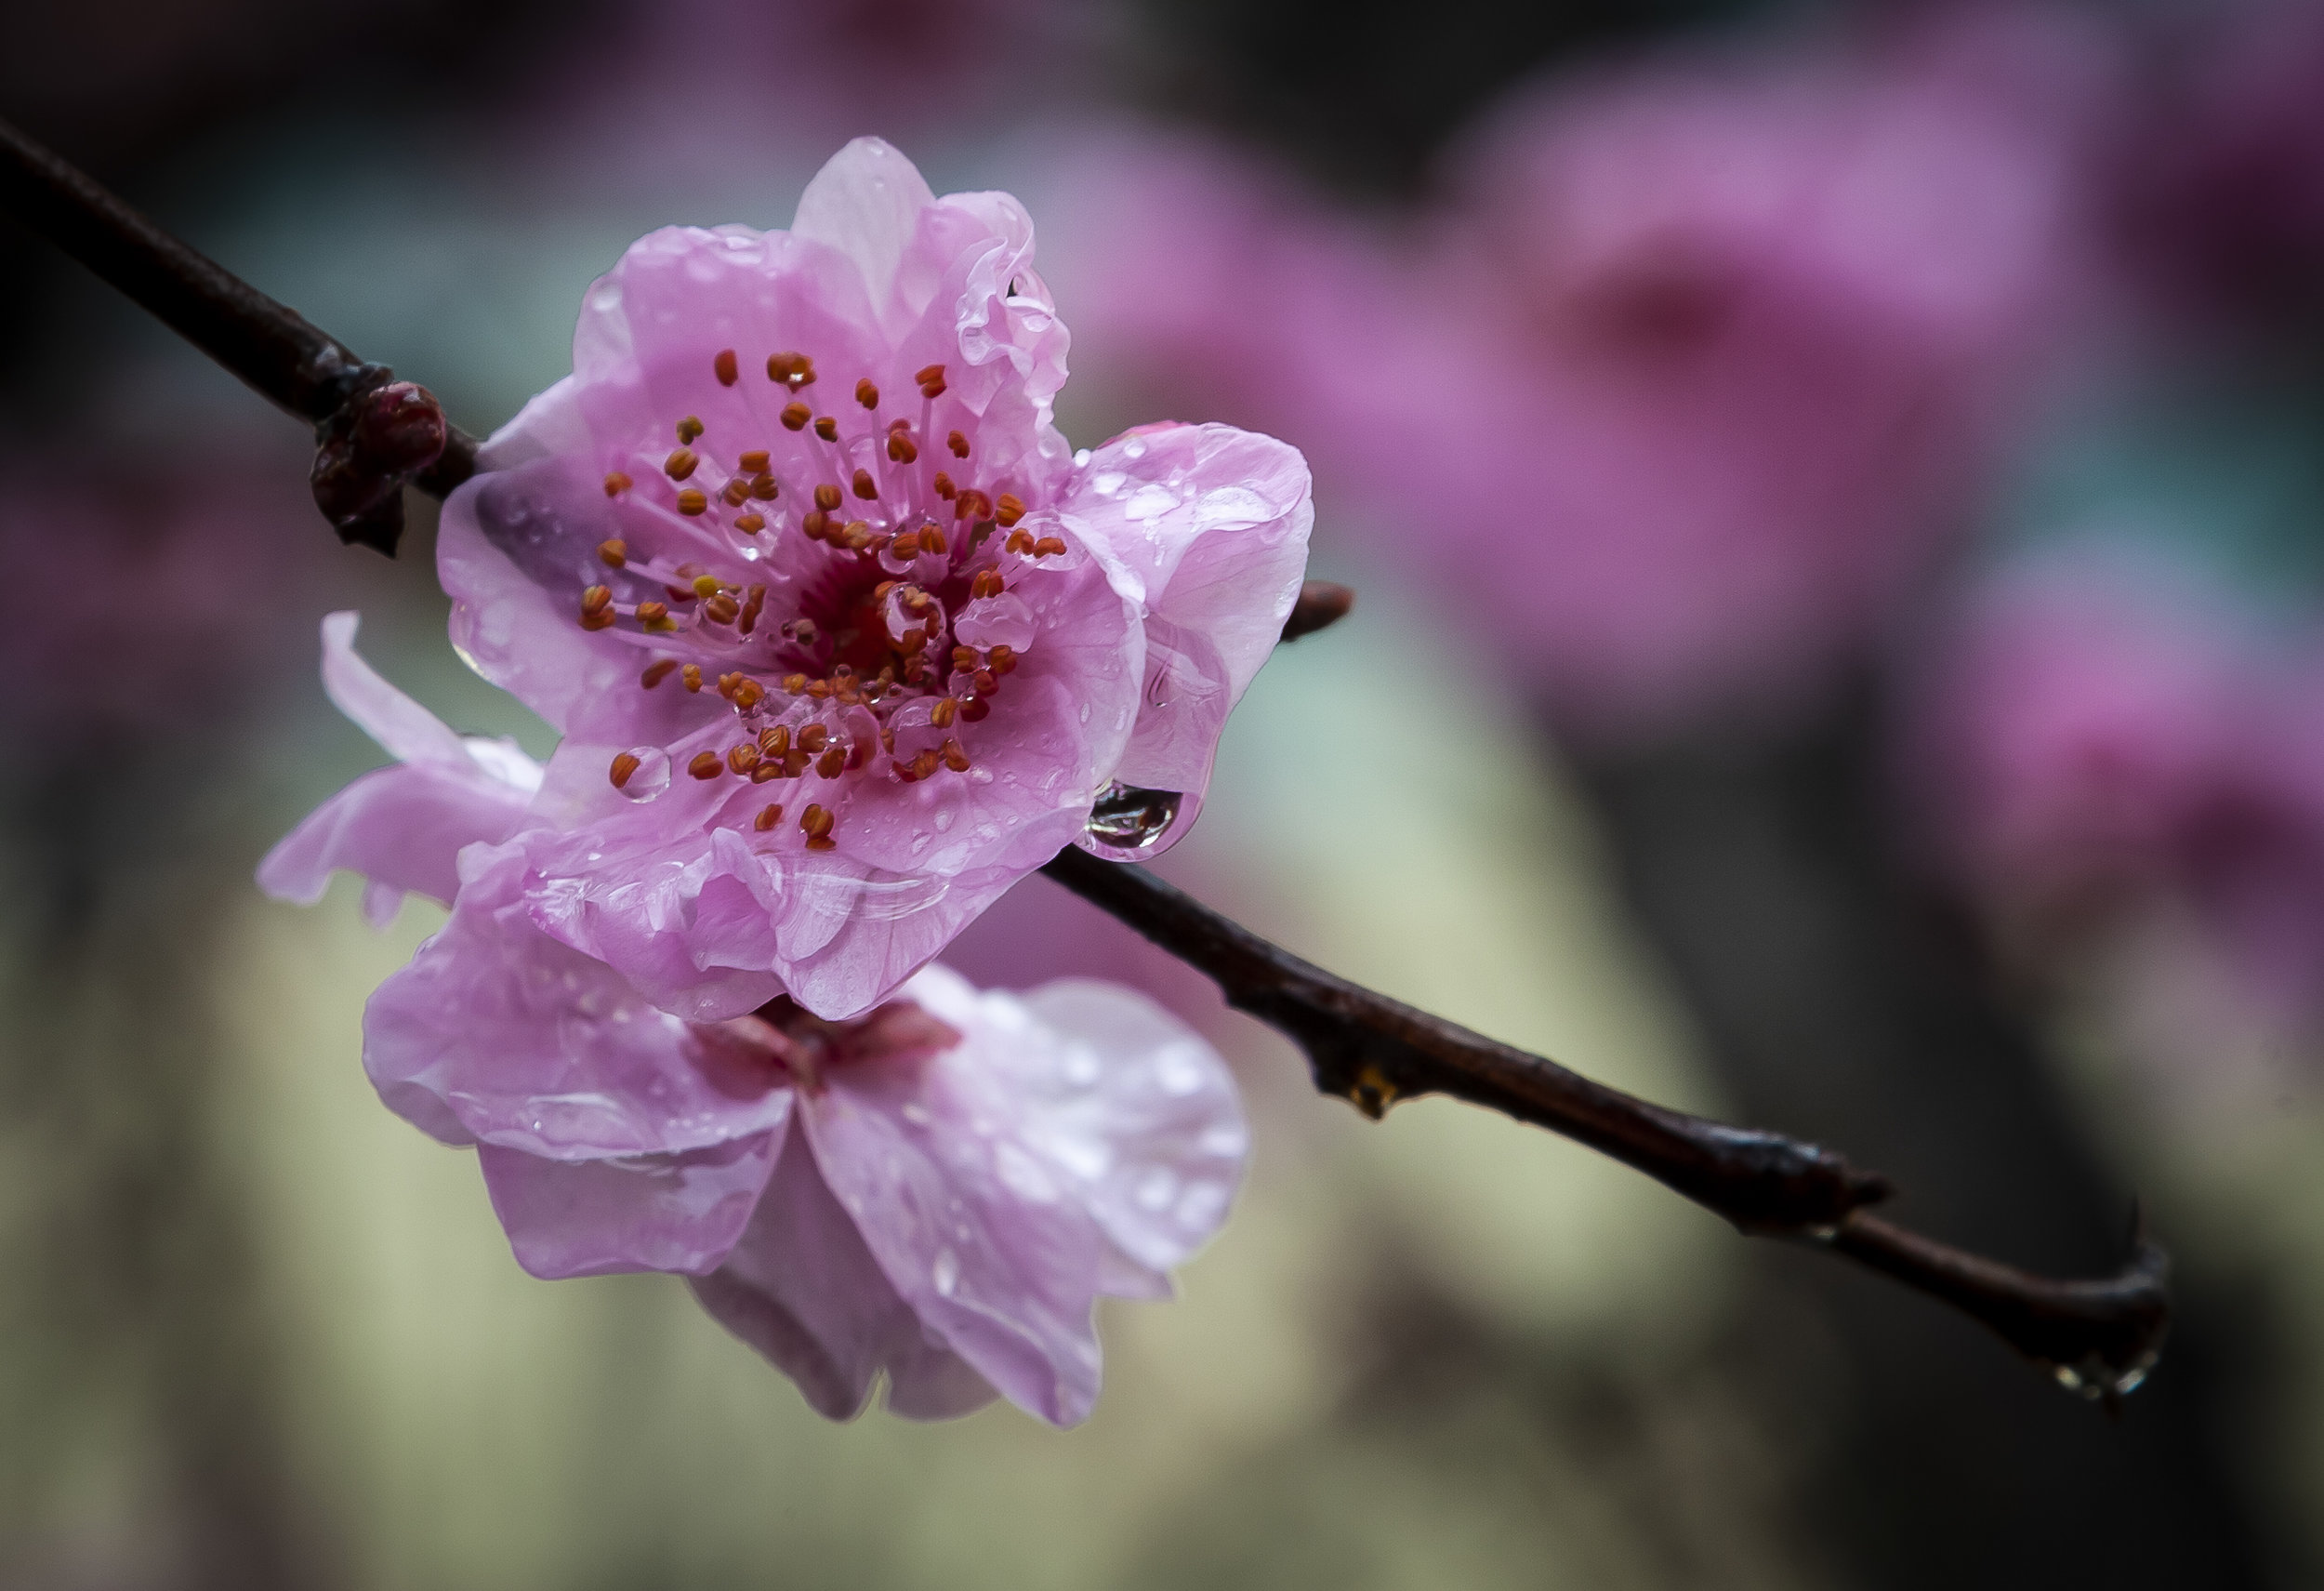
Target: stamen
x=691, y=678
x=832, y=763
x=692, y=503
x=596, y=598
x=624, y=766
x=1010, y=509
x=795, y=683
x=707, y=765
x=865, y=487
x=932, y=540
x=931, y=380
x=826, y=428
x=955, y=757
x=868, y=395
x=812, y=737
x=752, y=463
x=777, y=741
x=656, y=672
x=945, y=488
x=827, y=497
x=986, y=584
x=796, y=415
x=706, y=586
x=736, y=492
x=722, y=609
x=817, y=821
x=742, y=759
x=794, y=371
x=614, y=554
x=959, y=444
x=975, y=710
x=1019, y=542
x=617, y=484
x=748, y=693
x=815, y=523
x=1048, y=547
x=725, y=367
x=689, y=428
x=1004, y=658
x=901, y=449
x=750, y=525
x=943, y=713
x=753, y=600
x=768, y=818
x=763, y=487
x=859, y=535
x=766, y=771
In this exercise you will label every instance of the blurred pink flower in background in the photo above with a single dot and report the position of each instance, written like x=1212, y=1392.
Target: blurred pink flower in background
x=179, y=550
x=2104, y=748
x=1695, y=369
x=939, y=1190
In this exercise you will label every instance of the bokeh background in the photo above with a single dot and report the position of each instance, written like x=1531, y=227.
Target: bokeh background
x=1837, y=493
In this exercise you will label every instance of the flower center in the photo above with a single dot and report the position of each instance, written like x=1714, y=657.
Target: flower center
x=843, y=581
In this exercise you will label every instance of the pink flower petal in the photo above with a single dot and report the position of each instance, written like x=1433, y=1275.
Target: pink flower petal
x=802, y=1289
x=679, y=1212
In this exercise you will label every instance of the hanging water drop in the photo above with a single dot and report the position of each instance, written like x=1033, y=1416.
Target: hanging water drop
x=1128, y=821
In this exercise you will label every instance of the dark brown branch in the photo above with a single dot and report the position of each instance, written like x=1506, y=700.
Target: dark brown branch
x=2101, y=1336
x=1321, y=604
x=2096, y=1336
x=274, y=350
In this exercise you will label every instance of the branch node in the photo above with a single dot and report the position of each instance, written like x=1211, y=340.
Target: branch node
x=382, y=435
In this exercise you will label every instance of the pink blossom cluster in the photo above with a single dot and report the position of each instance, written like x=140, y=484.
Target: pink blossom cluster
x=841, y=641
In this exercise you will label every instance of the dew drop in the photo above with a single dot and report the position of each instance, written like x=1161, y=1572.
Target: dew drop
x=652, y=775
x=1128, y=820
x=945, y=1274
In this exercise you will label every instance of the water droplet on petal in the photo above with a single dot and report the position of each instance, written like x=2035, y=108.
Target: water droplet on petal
x=945, y=1274
x=1128, y=821
x=651, y=777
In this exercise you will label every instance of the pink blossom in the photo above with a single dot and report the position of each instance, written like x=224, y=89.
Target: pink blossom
x=840, y=638
x=939, y=1189
x=1686, y=378
x=1720, y=354
x=2103, y=741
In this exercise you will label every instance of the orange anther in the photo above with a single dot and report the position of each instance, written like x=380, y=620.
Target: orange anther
x=679, y=464
x=624, y=766
x=826, y=428
x=812, y=737
x=741, y=759
x=959, y=444
x=900, y=448
x=707, y=765
x=596, y=598
x=753, y=462
x=692, y=503
x=617, y=484
x=865, y=487
x=832, y=763
x=735, y=493
x=943, y=713
x=656, y=672
x=692, y=677
x=932, y=540
x=768, y=818
x=750, y=525
x=954, y=758
x=814, y=523
x=868, y=395
x=1049, y=546
x=762, y=486
x=774, y=742
x=725, y=367
x=945, y=488
x=689, y=428
x=614, y=554
x=827, y=496
x=1010, y=509
x=796, y=415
